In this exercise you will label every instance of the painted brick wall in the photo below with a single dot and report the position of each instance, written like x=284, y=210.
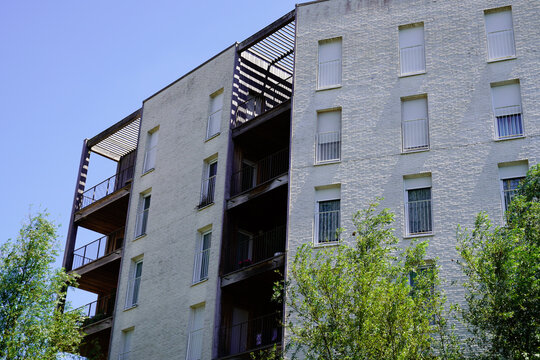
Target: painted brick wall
x=161, y=319
x=463, y=158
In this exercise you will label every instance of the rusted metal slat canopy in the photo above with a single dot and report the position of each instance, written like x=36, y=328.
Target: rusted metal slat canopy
x=118, y=140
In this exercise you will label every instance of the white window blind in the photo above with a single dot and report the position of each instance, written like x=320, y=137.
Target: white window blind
x=150, y=153
x=500, y=34
x=411, y=50
x=328, y=138
x=329, y=72
x=507, y=110
x=214, y=119
x=415, y=128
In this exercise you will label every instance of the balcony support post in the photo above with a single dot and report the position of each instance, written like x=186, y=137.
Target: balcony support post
x=79, y=189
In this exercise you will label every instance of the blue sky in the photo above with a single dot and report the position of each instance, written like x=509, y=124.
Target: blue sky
x=71, y=68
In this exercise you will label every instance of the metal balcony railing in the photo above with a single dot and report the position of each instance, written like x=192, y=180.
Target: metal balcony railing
x=418, y=217
x=97, y=249
x=328, y=146
x=415, y=134
x=106, y=187
x=256, y=249
x=272, y=95
x=207, y=191
x=250, y=335
x=98, y=310
x=412, y=59
x=260, y=172
x=132, y=298
x=329, y=74
x=509, y=122
x=501, y=44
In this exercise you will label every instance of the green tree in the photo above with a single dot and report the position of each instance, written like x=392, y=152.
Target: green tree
x=354, y=302
x=31, y=291
x=502, y=267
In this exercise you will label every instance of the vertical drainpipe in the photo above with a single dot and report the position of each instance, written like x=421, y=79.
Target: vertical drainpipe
x=77, y=198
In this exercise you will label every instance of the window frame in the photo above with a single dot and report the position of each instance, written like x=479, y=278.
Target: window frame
x=134, y=284
x=487, y=13
x=150, y=150
x=200, y=256
x=143, y=212
x=214, y=120
x=208, y=183
x=336, y=135
x=412, y=183
x=192, y=331
x=401, y=31
x=340, y=59
x=326, y=194
x=425, y=147
x=494, y=109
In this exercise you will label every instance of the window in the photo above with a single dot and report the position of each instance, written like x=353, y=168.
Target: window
x=327, y=215
x=507, y=109
x=500, y=34
x=142, y=215
x=418, y=214
x=195, y=337
x=329, y=63
x=208, y=183
x=511, y=176
x=150, y=153
x=414, y=124
x=134, y=284
x=125, y=350
x=328, y=138
x=214, y=119
x=202, y=256
x=411, y=49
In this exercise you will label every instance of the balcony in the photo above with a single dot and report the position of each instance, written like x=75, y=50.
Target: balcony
x=270, y=96
x=105, y=188
x=97, y=249
x=254, y=174
x=208, y=188
x=252, y=250
x=98, y=314
x=252, y=335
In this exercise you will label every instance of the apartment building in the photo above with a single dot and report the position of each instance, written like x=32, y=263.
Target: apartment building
x=277, y=141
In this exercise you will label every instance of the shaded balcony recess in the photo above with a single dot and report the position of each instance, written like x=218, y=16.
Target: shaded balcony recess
x=264, y=69
x=106, y=187
x=97, y=310
x=97, y=249
x=253, y=174
x=251, y=250
x=245, y=337
x=271, y=94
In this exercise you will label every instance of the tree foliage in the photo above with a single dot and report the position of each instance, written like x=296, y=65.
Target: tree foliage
x=355, y=301
x=502, y=267
x=31, y=325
